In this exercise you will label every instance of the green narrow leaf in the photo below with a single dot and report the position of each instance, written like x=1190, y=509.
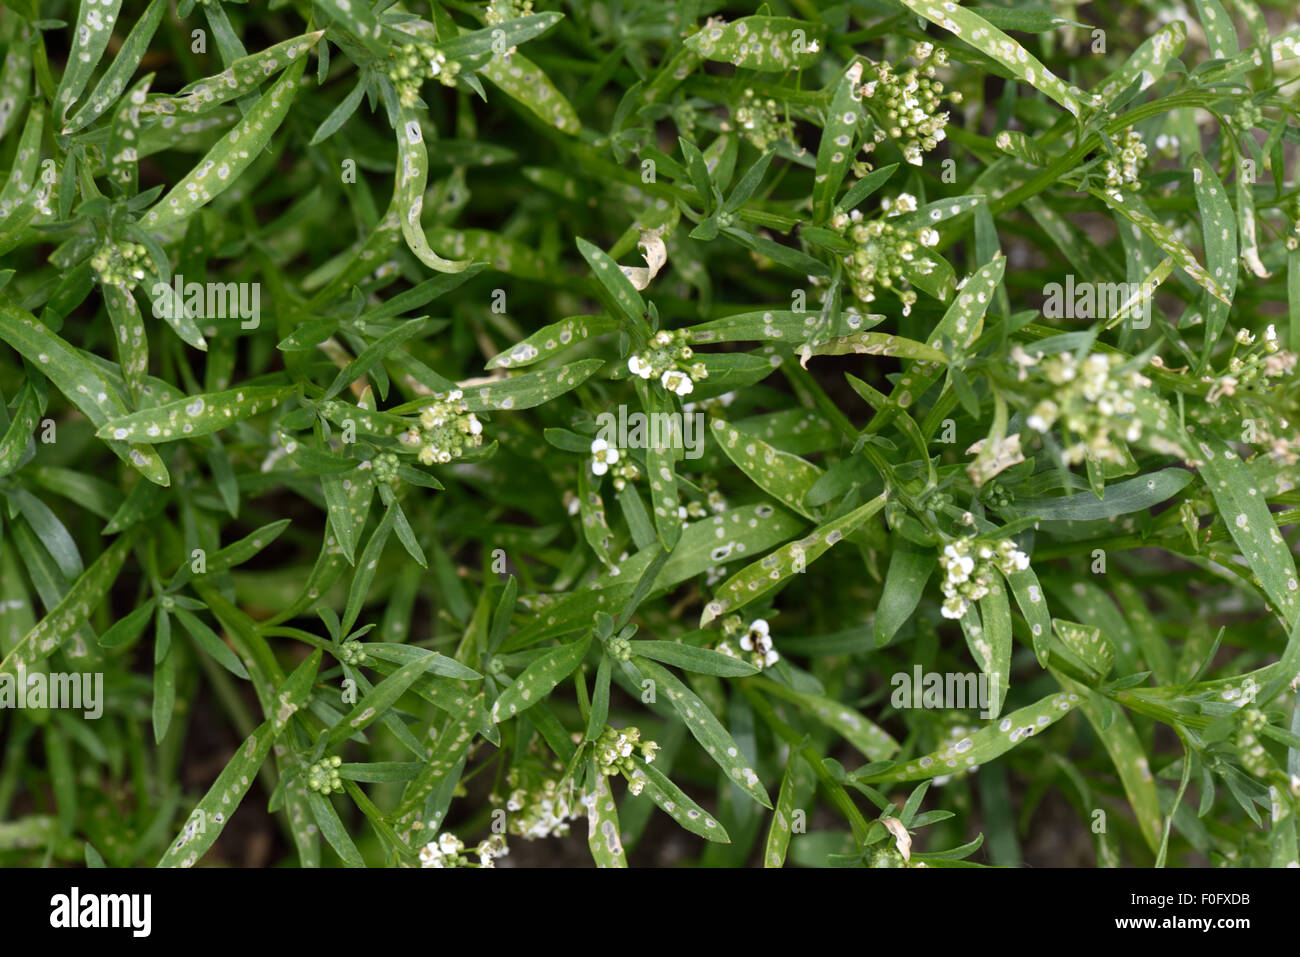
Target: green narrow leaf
x=537, y=680
x=675, y=803
x=194, y=416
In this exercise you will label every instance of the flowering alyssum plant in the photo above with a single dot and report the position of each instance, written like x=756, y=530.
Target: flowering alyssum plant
x=366, y=567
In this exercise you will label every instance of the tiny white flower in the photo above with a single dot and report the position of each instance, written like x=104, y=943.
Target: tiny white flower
x=678, y=382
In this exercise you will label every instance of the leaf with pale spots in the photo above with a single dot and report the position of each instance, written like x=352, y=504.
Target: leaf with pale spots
x=758, y=578
x=673, y=801
x=228, y=159
x=1148, y=62
x=90, y=38
x=845, y=120
x=1121, y=498
x=989, y=40
x=706, y=729
x=784, y=476
x=615, y=282
x=73, y=374
x=602, y=821
x=984, y=745
x=1219, y=230
x=528, y=389
x=701, y=661
x=73, y=609
x=18, y=436
x=1246, y=514
x=1032, y=603
x=1131, y=207
x=765, y=44
x=206, y=822
x=872, y=740
x=526, y=83
x=551, y=339
x=537, y=680
x=509, y=32
x=194, y=416
x=765, y=326
x=380, y=699
x=240, y=78
x=872, y=344
x=120, y=71
x=412, y=175
x=932, y=214
x=796, y=778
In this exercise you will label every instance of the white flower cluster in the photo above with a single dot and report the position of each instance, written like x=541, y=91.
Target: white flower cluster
x=446, y=430
x=538, y=805
x=1093, y=401
x=613, y=753
x=1125, y=173
x=883, y=251
x=755, y=642
x=906, y=105
x=447, y=850
x=968, y=571
x=668, y=359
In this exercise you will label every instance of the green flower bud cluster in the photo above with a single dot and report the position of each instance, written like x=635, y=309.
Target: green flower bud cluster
x=416, y=62
x=906, y=105
x=1125, y=173
x=499, y=11
x=323, y=776
x=969, y=571
x=761, y=121
x=613, y=752
x=884, y=251
x=353, y=652
x=619, y=648
x=668, y=359
x=1093, y=401
x=446, y=430
x=385, y=465
x=120, y=264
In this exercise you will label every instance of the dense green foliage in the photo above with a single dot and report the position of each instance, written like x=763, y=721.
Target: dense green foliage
x=340, y=342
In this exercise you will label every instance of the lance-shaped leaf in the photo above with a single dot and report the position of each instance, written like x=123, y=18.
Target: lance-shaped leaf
x=661, y=466
x=73, y=609
x=614, y=280
x=537, y=680
x=1122, y=498
x=78, y=379
x=869, y=738
x=701, y=661
x=120, y=71
x=602, y=821
x=15, y=76
x=758, y=578
x=380, y=698
x=784, y=476
x=528, y=389
x=231, y=155
x=992, y=42
x=89, y=38
x=838, y=146
x=984, y=745
x=194, y=416
x=909, y=570
x=766, y=44
x=18, y=436
x=755, y=326
x=1033, y=608
x=1219, y=230
x=549, y=340
x=1131, y=207
x=871, y=344
x=674, y=802
x=797, y=779
x=1147, y=62
x=706, y=729
x=506, y=34
x=408, y=192
x=525, y=82
x=372, y=355
x=1251, y=525
x=242, y=77
x=213, y=812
